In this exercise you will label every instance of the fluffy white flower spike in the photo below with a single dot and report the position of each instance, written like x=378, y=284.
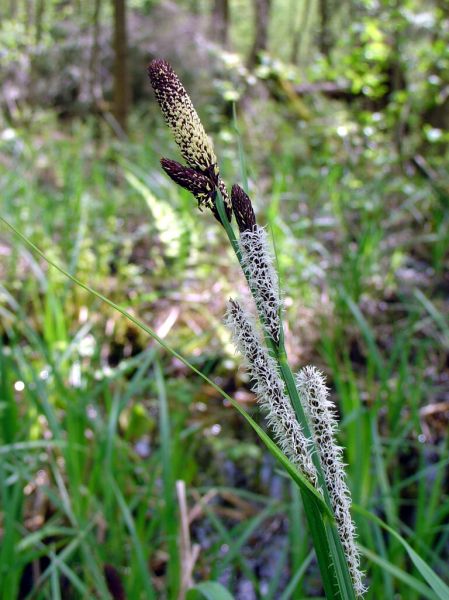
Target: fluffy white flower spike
x=321, y=411
x=270, y=390
x=258, y=262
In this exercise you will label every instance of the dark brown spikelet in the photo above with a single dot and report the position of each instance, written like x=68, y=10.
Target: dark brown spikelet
x=182, y=118
x=243, y=210
x=114, y=582
x=195, y=182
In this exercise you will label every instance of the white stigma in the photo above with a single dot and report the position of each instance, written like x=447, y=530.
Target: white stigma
x=314, y=396
x=258, y=263
x=270, y=390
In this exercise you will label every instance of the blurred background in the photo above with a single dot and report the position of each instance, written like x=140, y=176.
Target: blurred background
x=342, y=110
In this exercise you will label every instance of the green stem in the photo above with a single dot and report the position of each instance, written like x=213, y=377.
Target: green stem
x=321, y=544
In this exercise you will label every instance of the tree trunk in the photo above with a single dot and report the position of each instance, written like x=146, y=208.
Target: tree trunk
x=302, y=33
x=220, y=22
x=95, y=87
x=12, y=9
x=325, y=36
x=40, y=8
x=121, y=74
x=261, y=22
x=28, y=15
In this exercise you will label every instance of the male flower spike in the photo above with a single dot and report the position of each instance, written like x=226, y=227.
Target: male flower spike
x=188, y=131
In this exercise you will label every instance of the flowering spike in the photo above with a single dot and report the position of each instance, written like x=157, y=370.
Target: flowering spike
x=315, y=398
x=270, y=390
x=180, y=115
x=258, y=263
x=182, y=118
x=243, y=210
x=195, y=182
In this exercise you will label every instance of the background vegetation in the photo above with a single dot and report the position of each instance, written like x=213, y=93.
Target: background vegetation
x=343, y=111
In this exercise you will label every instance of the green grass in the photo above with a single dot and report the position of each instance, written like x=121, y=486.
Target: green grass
x=106, y=423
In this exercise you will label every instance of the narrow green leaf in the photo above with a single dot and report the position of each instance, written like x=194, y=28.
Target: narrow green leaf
x=209, y=590
x=439, y=319
x=144, y=573
x=297, y=577
x=242, y=159
x=367, y=333
x=170, y=511
x=412, y=582
x=428, y=574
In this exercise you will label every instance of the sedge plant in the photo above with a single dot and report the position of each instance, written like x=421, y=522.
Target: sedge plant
x=297, y=408
x=299, y=412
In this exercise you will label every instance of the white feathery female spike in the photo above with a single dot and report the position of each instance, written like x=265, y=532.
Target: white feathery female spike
x=258, y=263
x=270, y=390
x=314, y=396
